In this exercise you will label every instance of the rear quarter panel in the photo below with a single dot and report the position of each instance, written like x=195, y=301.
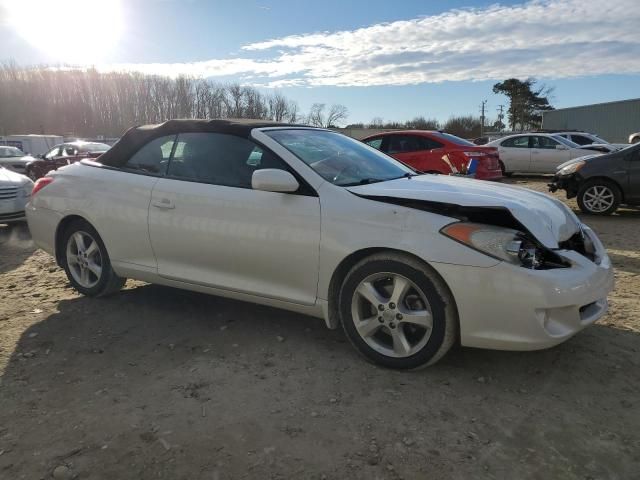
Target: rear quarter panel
x=116, y=203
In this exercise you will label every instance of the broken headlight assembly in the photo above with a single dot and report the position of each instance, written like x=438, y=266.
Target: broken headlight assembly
x=504, y=244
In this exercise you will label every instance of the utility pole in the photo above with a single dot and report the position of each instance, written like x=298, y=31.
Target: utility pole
x=500, y=115
x=482, y=107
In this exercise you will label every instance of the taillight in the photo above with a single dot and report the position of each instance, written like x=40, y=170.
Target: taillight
x=40, y=184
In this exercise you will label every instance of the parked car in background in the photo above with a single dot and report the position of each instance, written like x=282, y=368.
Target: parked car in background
x=15, y=190
x=64, y=154
x=586, y=139
x=536, y=152
x=602, y=183
x=634, y=137
x=12, y=158
x=32, y=144
x=438, y=152
x=316, y=222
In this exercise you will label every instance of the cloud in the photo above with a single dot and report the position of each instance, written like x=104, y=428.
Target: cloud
x=542, y=38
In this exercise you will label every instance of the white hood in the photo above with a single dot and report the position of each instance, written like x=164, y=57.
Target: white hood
x=9, y=178
x=548, y=219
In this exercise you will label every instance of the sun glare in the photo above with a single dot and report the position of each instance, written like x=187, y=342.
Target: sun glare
x=73, y=31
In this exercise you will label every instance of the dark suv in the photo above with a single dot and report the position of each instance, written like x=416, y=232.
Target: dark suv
x=601, y=183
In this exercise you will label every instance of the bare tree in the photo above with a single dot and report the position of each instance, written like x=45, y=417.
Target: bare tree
x=376, y=122
x=292, y=112
x=88, y=103
x=337, y=113
x=278, y=107
x=316, y=115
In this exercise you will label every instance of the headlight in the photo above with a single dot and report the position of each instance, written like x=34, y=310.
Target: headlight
x=502, y=243
x=26, y=189
x=573, y=168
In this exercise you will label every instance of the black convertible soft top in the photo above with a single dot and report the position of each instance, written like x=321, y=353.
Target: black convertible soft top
x=135, y=137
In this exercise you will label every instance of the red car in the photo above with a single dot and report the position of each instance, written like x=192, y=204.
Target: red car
x=62, y=155
x=439, y=152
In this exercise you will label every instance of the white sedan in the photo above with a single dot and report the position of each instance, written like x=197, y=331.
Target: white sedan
x=315, y=222
x=538, y=152
x=15, y=190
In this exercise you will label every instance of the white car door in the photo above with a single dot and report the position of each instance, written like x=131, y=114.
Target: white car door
x=547, y=153
x=119, y=201
x=207, y=226
x=515, y=154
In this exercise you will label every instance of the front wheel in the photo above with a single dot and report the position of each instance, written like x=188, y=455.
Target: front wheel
x=599, y=197
x=86, y=262
x=397, y=312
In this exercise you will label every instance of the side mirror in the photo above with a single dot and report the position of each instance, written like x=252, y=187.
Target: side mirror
x=274, y=180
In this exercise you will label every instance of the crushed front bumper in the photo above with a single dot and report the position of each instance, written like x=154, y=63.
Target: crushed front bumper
x=507, y=307
x=569, y=183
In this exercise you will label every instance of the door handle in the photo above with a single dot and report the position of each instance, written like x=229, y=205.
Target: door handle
x=163, y=203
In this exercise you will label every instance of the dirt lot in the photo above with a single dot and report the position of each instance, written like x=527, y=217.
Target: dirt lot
x=162, y=383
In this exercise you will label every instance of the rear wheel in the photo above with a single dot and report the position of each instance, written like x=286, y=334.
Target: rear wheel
x=599, y=197
x=504, y=171
x=86, y=261
x=397, y=312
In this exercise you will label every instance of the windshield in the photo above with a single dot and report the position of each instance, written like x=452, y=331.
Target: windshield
x=454, y=139
x=339, y=159
x=11, y=152
x=566, y=142
x=94, y=147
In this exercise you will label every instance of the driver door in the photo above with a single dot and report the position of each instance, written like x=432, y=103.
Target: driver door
x=209, y=227
x=547, y=154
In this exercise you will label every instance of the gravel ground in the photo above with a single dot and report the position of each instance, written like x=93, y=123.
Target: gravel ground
x=162, y=383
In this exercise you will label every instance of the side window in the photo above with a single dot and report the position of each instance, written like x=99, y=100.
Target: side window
x=581, y=140
x=404, y=143
x=516, y=142
x=427, y=143
x=375, y=143
x=544, y=142
x=52, y=153
x=219, y=159
x=68, y=151
x=153, y=157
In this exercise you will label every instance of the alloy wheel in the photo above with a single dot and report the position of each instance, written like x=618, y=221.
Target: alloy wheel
x=84, y=259
x=598, y=198
x=392, y=314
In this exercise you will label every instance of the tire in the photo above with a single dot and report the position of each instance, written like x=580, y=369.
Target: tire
x=504, y=171
x=377, y=334
x=635, y=140
x=89, y=259
x=608, y=192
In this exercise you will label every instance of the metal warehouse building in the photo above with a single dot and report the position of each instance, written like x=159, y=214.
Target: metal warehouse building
x=613, y=121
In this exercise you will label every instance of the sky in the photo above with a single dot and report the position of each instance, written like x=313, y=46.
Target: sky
x=389, y=59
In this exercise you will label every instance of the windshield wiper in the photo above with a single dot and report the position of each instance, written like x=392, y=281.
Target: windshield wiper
x=364, y=181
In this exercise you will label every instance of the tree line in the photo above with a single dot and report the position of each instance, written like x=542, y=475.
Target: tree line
x=527, y=100
x=465, y=126
x=88, y=103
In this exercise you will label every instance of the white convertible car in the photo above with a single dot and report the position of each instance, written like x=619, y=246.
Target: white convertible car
x=312, y=221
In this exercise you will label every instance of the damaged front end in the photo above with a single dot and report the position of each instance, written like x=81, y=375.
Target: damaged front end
x=569, y=183
x=496, y=232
